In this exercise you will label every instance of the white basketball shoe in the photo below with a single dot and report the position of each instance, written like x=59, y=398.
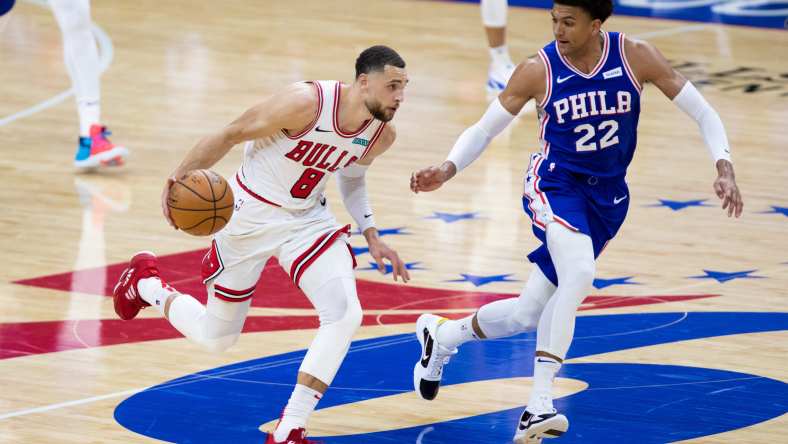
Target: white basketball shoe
x=428, y=370
x=498, y=76
x=532, y=428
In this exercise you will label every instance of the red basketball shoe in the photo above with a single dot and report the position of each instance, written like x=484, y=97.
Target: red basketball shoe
x=126, y=295
x=296, y=436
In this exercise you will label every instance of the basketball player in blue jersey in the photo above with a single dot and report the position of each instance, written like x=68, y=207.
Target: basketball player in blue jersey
x=587, y=86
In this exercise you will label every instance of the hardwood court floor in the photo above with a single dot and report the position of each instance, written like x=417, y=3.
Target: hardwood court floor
x=178, y=71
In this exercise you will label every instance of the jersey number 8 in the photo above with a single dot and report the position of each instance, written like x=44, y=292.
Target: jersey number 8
x=306, y=183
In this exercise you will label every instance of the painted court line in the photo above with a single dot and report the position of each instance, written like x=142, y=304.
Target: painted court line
x=106, y=54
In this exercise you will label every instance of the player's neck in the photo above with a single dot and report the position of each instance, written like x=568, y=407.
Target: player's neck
x=352, y=111
x=587, y=57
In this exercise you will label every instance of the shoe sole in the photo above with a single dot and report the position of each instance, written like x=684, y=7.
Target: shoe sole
x=100, y=159
x=549, y=428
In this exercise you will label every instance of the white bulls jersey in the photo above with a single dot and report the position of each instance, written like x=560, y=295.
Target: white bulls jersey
x=291, y=171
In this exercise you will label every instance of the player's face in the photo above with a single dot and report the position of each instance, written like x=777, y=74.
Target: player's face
x=385, y=92
x=573, y=28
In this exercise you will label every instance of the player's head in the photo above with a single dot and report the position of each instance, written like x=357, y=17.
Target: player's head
x=380, y=72
x=576, y=22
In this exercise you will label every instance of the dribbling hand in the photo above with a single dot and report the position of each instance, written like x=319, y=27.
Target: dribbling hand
x=165, y=209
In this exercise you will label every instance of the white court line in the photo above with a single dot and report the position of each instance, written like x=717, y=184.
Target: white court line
x=106, y=54
x=189, y=380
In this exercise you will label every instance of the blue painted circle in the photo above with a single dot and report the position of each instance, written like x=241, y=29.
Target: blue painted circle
x=655, y=403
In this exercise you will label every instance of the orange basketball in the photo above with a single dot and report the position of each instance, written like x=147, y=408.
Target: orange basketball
x=200, y=202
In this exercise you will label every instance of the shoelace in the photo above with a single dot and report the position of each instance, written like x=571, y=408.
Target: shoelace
x=104, y=133
x=435, y=367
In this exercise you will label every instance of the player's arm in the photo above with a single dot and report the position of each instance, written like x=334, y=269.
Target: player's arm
x=353, y=188
x=651, y=66
x=527, y=82
x=292, y=109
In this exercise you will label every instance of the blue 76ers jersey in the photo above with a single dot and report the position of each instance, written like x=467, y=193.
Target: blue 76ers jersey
x=588, y=122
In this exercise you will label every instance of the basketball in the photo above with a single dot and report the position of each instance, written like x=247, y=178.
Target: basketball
x=200, y=202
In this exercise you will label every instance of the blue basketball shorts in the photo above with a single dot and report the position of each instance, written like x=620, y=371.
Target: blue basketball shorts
x=595, y=206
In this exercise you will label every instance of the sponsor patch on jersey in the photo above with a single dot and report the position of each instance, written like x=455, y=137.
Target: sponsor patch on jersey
x=613, y=73
x=360, y=141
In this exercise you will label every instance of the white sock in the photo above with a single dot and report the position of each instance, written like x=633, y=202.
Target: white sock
x=154, y=292
x=500, y=56
x=301, y=404
x=89, y=111
x=452, y=334
x=542, y=393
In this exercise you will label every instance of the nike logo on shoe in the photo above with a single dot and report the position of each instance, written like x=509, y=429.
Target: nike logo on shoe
x=563, y=79
x=322, y=130
x=368, y=215
x=428, y=344
x=617, y=200
x=533, y=419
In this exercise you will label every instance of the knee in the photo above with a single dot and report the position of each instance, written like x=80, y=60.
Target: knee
x=584, y=271
x=219, y=334
x=347, y=316
x=219, y=345
x=524, y=319
x=354, y=315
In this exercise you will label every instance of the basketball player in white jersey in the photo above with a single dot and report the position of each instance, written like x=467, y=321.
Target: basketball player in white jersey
x=587, y=85
x=94, y=149
x=294, y=140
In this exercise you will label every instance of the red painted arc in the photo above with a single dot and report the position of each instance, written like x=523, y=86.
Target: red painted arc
x=181, y=270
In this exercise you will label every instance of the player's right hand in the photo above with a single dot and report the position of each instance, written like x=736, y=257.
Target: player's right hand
x=165, y=209
x=427, y=179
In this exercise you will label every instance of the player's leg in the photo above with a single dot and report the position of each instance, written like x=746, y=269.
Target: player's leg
x=82, y=63
x=501, y=67
x=573, y=257
x=572, y=254
x=330, y=285
x=439, y=337
x=215, y=326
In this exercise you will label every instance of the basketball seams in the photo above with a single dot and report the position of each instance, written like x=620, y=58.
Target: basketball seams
x=178, y=182
x=200, y=209
x=213, y=195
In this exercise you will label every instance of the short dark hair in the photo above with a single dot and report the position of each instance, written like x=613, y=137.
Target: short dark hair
x=597, y=9
x=376, y=58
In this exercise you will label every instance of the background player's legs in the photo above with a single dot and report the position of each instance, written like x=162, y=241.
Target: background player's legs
x=502, y=318
x=82, y=62
x=330, y=285
x=81, y=57
x=215, y=326
x=501, y=66
x=573, y=256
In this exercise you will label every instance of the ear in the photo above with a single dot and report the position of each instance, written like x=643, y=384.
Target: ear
x=363, y=80
x=596, y=25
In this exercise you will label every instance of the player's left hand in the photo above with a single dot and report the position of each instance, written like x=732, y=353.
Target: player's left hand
x=727, y=190
x=379, y=251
